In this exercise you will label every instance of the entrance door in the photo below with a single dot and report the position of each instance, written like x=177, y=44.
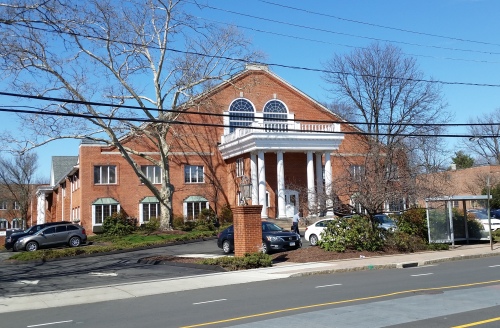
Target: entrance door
x=291, y=202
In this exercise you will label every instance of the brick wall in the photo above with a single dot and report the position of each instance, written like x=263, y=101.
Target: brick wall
x=193, y=144
x=247, y=229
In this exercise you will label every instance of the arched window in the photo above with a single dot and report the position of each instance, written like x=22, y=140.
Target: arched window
x=275, y=115
x=241, y=113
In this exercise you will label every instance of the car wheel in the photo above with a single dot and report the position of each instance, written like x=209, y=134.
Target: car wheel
x=75, y=241
x=226, y=247
x=313, y=240
x=31, y=246
x=265, y=248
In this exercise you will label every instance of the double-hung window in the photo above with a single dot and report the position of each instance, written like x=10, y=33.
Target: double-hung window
x=105, y=174
x=193, y=174
x=357, y=172
x=150, y=210
x=103, y=211
x=240, y=167
x=3, y=205
x=152, y=172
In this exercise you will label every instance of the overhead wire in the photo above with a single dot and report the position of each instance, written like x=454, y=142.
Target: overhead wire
x=295, y=37
x=180, y=122
x=274, y=64
x=342, y=33
x=378, y=25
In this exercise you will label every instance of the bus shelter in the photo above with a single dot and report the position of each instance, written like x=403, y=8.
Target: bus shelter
x=447, y=220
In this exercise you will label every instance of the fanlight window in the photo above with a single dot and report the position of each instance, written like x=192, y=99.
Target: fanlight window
x=241, y=114
x=275, y=115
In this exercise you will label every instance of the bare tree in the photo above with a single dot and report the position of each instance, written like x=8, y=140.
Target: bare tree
x=393, y=102
x=486, y=145
x=17, y=176
x=149, y=54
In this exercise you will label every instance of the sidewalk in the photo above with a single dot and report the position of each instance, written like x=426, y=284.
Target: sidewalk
x=281, y=271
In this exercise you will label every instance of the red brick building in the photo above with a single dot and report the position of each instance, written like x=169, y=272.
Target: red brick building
x=266, y=134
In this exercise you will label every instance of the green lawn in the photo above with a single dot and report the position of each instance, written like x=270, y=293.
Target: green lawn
x=103, y=243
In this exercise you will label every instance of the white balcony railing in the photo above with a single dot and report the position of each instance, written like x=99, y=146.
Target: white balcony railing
x=280, y=127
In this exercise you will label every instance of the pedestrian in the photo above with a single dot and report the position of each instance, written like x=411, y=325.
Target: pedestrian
x=295, y=223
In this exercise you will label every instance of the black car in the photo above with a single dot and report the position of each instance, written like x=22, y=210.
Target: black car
x=274, y=238
x=11, y=240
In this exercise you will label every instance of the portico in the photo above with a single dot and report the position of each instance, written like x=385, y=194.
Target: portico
x=317, y=141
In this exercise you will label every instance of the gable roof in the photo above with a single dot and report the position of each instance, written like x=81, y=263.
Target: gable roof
x=61, y=166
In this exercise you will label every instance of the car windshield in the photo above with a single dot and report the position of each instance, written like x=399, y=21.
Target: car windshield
x=266, y=226
x=31, y=230
x=384, y=219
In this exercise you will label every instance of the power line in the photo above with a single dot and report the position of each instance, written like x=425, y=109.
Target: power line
x=178, y=122
x=102, y=104
x=270, y=64
x=380, y=26
x=342, y=44
x=344, y=34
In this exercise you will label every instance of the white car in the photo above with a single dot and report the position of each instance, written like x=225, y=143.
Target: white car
x=313, y=232
x=495, y=223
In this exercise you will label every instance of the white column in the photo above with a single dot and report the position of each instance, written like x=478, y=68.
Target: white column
x=281, y=185
x=328, y=184
x=262, y=183
x=319, y=181
x=310, y=182
x=255, y=180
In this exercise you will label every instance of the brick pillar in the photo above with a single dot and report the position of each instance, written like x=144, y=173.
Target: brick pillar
x=247, y=229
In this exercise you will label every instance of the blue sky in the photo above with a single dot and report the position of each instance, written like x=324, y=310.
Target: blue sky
x=452, y=40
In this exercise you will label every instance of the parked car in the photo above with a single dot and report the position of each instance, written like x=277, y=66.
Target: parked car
x=274, y=238
x=384, y=221
x=313, y=231
x=72, y=235
x=12, y=238
x=495, y=223
x=482, y=216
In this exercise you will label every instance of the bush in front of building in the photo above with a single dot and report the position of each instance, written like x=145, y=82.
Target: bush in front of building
x=225, y=215
x=151, y=226
x=119, y=224
x=404, y=242
x=248, y=261
x=414, y=223
x=353, y=233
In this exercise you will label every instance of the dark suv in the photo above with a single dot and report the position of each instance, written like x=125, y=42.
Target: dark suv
x=11, y=240
x=274, y=238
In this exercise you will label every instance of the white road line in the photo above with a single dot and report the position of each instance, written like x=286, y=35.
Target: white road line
x=423, y=274
x=223, y=299
x=494, y=266
x=27, y=282
x=423, y=266
x=49, y=323
x=328, y=285
x=103, y=274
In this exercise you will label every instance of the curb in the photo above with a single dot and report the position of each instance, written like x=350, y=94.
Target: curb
x=403, y=265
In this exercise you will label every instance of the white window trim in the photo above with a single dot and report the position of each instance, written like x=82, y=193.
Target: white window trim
x=240, y=167
x=93, y=214
x=141, y=213
x=196, y=182
x=184, y=208
x=154, y=169
x=101, y=175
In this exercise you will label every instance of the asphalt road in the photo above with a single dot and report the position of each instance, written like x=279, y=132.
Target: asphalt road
x=450, y=294
x=99, y=270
